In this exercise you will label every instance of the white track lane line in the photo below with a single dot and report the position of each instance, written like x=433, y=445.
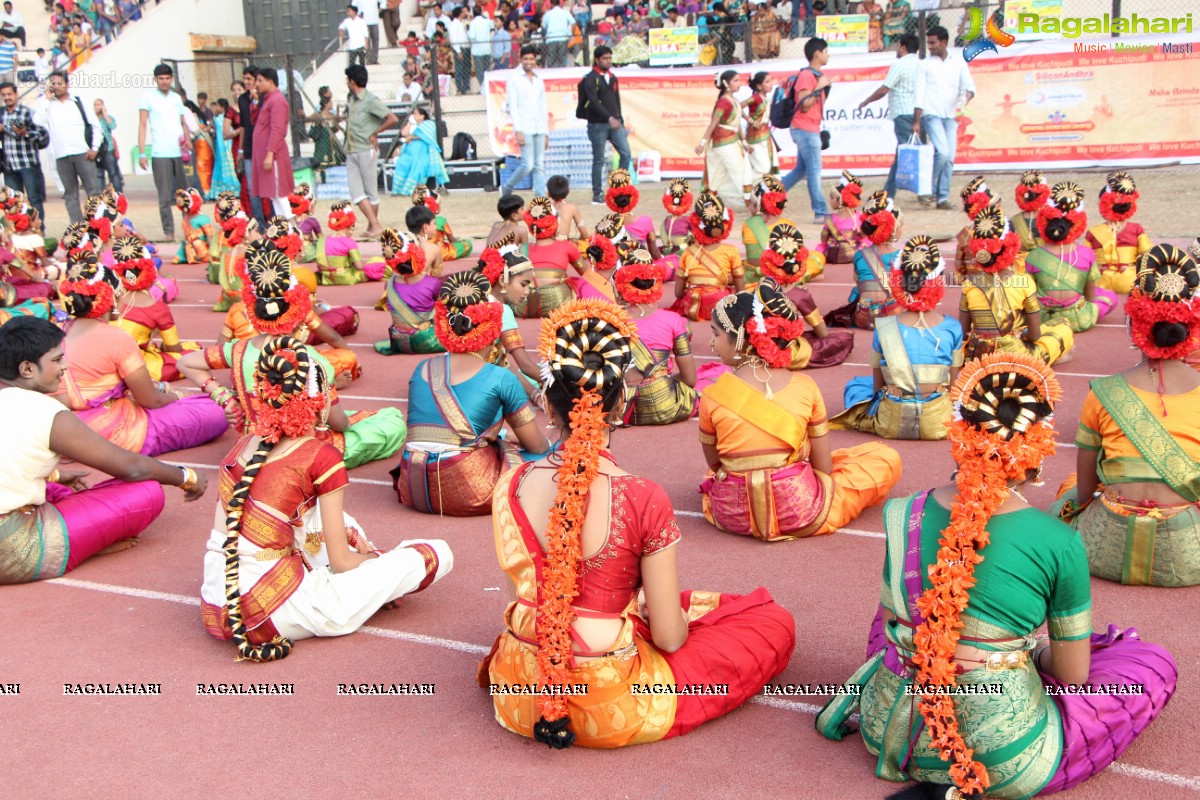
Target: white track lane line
x=1129, y=770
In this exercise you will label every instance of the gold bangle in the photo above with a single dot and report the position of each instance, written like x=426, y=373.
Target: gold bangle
x=54, y=477
x=190, y=479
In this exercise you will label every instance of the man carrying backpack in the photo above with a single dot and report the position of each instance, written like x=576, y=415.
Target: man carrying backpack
x=809, y=91
x=73, y=129
x=600, y=105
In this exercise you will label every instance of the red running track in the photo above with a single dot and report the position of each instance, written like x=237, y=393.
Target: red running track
x=133, y=617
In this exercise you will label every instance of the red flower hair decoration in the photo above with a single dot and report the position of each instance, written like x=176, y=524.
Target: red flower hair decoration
x=341, y=218
x=764, y=331
x=639, y=269
x=1110, y=200
x=602, y=252
x=993, y=244
x=622, y=196
x=491, y=264
x=1165, y=291
x=786, y=257
x=677, y=200
x=486, y=321
x=404, y=254
x=541, y=218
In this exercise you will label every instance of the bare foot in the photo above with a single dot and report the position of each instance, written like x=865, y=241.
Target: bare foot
x=1066, y=357
x=392, y=605
x=373, y=234
x=117, y=547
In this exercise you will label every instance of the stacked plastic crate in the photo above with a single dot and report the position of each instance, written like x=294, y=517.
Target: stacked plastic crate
x=568, y=153
x=335, y=186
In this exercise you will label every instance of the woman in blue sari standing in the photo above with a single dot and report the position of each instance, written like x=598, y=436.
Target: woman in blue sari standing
x=224, y=178
x=421, y=157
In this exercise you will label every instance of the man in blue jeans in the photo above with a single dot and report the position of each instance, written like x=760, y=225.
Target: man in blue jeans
x=809, y=92
x=810, y=19
x=247, y=109
x=900, y=86
x=600, y=105
x=946, y=88
x=530, y=120
x=22, y=137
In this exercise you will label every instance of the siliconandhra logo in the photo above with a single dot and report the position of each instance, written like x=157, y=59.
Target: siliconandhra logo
x=982, y=38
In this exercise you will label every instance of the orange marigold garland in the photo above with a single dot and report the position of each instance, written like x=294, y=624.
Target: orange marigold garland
x=491, y=264
x=677, y=205
x=852, y=195
x=235, y=229
x=639, y=281
x=1117, y=207
x=341, y=218
x=97, y=289
x=281, y=409
x=486, y=322
x=137, y=274
x=763, y=336
x=1032, y=198
x=298, y=301
x=602, y=252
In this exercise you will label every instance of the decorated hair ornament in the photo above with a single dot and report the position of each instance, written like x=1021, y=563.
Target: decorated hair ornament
x=1032, y=191
x=284, y=234
x=504, y=260
x=542, y=218
x=677, y=199
x=1062, y=220
x=1164, y=292
x=976, y=196
x=584, y=345
x=87, y=277
x=774, y=321
x=710, y=221
x=917, y=279
x=291, y=390
x=234, y=221
x=879, y=218
x=993, y=245
x=421, y=196
x=302, y=199
x=342, y=217
x=189, y=201
x=621, y=196
x=402, y=252
x=464, y=318
x=850, y=188
x=604, y=248
x=100, y=216
x=1194, y=249
x=116, y=199
x=275, y=302
x=1118, y=197
x=721, y=315
x=18, y=212
x=772, y=197
x=134, y=266
x=989, y=454
x=786, y=257
x=638, y=280
x=78, y=237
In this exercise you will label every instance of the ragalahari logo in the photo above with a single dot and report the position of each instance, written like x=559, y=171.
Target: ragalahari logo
x=983, y=38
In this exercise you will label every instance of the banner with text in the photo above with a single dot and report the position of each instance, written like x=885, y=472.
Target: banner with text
x=672, y=46
x=1045, y=103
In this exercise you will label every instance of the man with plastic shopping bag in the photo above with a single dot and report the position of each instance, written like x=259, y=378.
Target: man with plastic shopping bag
x=946, y=87
x=901, y=86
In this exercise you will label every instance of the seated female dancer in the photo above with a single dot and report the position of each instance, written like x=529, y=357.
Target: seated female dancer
x=457, y=406
x=971, y=573
x=578, y=619
x=106, y=380
x=51, y=521
x=708, y=267
x=1031, y=195
x=1135, y=503
x=302, y=201
x=976, y=196
x=770, y=197
x=277, y=306
x=101, y=216
x=550, y=257
x=232, y=246
x=622, y=198
x=452, y=247
x=199, y=245
x=411, y=292
x=608, y=245
x=30, y=270
x=339, y=262
x=999, y=308
x=11, y=307
x=1119, y=241
x=677, y=200
x=915, y=356
x=1064, y=268
x=510, y=275
x=655, y=395
x=289, y=484
x=841, y=237
x=765, y=437
x=285, y=234
x=141, y=315
x=870, y=299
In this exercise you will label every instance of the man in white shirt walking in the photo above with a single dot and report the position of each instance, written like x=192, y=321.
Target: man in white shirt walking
x=353, y=34
x=460, y=43
x=480, y=34
x=530, y=120
x=946, y=88
x=368, y=12
x=902, y=85
x=162, y=114
x=74, y=136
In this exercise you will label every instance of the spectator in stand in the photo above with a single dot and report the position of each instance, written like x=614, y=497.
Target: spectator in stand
x=247, y=112
x=81, y=46
x=390, y=16
x=8, y=60
x=461, y=44
x=436, y=15
x=946, y=87
x=106, y=19
x=42, y=65
x=900, y=86
x=410, y=90
x=72, y=128
x=273, y=180
x=582, y=11
x=531, y=122
x=810, y=18
x=673, y=19
x=353, y=34
x=108, y=166
x=368, y=11
x=556, y=27
x=480, y=34
x=764, y=31
x=366, y=118
x=602, y=104
x=20, y=134
x=810, y=92
x=161, y=113
x=12, y=24
x=501, y=44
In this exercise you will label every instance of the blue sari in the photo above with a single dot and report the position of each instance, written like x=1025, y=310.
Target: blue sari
x=419, y=160
x=224, y=177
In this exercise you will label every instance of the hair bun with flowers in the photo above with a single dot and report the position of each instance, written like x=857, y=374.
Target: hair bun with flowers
x=20, y=215
x=421, y=196
x=234, y=222
x=134, y=265
x=622, y=196
x=608, y=242
x=402, y=252
x=850, y=187
x=115, y=199
x=677, y=199
x=302, y=199
x=879, y=218
x=1062, y=219
x=464, y=318
x=763, y=322
x=342, y=217
x=1032, y=191
x=1163, y=309
x=711, y=222
x=993, y=245
x=275, y=302
x=1001, y=432
x=89, y=292
x=504, y=260
x=772, y=196
x=100, y=215
x=638, y=279
x=78, y=237
x=917, y=279
x=284, y=234
x=786, y=257
x=976, y=196
x=189, y=201
x=1118, y=197
x=542, y=217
